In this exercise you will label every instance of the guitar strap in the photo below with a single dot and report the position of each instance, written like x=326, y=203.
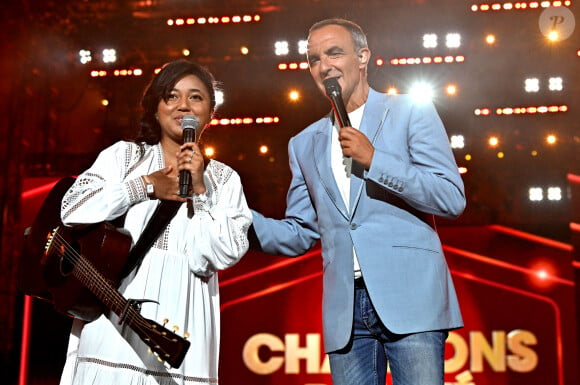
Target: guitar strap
x=163, y=213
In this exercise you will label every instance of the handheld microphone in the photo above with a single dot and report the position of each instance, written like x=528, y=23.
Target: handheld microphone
x=334, y=93
x=189, y=125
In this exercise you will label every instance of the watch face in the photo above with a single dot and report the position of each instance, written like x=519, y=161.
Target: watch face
x=149, y=187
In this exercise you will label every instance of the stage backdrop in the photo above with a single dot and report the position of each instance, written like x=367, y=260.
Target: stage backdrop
x=516, y=291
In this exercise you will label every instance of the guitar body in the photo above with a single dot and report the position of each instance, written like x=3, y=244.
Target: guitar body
x=46, y=275
x=106, y=247
x=79, y=269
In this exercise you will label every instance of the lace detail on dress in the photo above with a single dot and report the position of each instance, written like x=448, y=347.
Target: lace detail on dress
x=71, y=197
x=136, y=190
x=219, y=175
x=133, y=154
x=148, y=372
x=162, y=241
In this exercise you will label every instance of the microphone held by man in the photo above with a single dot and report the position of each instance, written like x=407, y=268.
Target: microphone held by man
x=334, y=93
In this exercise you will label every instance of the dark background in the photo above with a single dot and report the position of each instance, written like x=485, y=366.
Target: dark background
x=52, y=123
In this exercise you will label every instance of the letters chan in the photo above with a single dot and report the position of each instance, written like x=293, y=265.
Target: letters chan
x=265, y=353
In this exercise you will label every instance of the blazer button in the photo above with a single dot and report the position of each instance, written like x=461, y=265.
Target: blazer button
x=353, y=226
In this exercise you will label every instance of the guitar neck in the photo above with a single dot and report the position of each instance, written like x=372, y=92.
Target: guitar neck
x=93, y=280
x=170, y=347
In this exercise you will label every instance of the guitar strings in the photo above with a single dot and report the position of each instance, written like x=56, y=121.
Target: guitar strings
x=86, y=267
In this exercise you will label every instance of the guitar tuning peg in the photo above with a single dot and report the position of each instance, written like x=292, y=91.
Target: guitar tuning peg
x=149, y=351
x=186, y=335
x=175, y=328
x=159, y=359
x=165, y=321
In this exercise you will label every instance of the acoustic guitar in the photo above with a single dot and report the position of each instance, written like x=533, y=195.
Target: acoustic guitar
x=78, y=271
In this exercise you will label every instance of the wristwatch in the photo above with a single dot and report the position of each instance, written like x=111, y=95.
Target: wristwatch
x=149, y=188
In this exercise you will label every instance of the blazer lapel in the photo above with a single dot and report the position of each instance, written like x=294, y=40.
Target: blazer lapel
x=376, y=110
x=321, y=156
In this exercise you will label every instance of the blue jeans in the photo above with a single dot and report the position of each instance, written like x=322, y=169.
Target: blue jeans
x=414, y=359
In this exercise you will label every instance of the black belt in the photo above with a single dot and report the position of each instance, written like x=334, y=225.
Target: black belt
x=359, y=283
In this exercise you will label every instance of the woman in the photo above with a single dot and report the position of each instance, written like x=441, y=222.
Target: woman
x=208, y=233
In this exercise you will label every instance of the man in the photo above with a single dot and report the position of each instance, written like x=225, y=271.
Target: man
x=370, y=194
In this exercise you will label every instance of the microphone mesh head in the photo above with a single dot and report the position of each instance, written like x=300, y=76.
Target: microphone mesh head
x=189, y=121
x=332, y=87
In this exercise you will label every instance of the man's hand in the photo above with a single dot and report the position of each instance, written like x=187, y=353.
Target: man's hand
x=356, y=145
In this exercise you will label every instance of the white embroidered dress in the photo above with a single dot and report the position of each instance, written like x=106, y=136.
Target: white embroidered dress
x=180, y=270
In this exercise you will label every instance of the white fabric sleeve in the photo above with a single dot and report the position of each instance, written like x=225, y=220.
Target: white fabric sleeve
x=217, y=232
x=102, y=193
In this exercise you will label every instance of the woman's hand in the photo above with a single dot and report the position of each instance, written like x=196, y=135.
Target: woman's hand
x=165, y=185
x=190, y=158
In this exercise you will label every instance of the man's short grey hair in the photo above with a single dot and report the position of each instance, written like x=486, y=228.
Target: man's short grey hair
x=358, y=36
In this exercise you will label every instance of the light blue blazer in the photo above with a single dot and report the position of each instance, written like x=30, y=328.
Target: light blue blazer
x=390, y=221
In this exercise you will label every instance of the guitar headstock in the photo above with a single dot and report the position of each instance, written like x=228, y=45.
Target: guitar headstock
x=168, y=346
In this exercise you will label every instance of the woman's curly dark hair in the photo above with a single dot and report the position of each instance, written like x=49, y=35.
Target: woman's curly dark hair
x=160, y=88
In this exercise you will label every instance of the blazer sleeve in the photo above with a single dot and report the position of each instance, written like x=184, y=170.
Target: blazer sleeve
x=298, y=231
x=422, y=170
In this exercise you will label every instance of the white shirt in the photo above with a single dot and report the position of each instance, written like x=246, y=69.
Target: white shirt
x=341, y=167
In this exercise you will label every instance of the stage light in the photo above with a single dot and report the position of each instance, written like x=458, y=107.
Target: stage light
x=185, y=52
x=392, y=91
x=302, y=47
x=535, y=194
x=542, y=274
x=109, y=55
x=293, y=66
x=468, y=157
x=490, y=39
x=500, y=155
x=520, y=5
x=451, y=89
x=219, y=98
x=244, y=50
x=294, y=95
x=553, y=36
x=209, y=151
x=421, y=92
x=104, y=102
x=85, y=56
x=482, y=112
x=244, y=121
x=427, y=60
x=554, y=194
x=532, y=85
x=462, y=170
x=263, y=149
x=429, y=40
x=268, y=120
x=523, y=110
x=551, y=139
x=181, y=21
x=555, y=84
x=457, y=141
x=493, y=141
x=453, y=40
x=281, y=48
